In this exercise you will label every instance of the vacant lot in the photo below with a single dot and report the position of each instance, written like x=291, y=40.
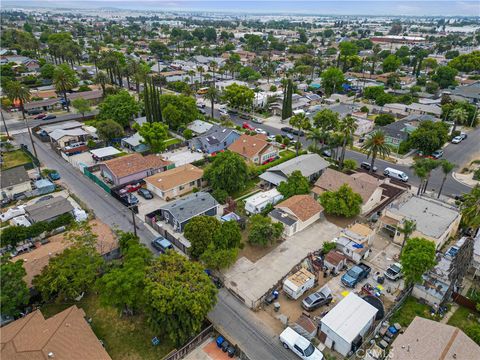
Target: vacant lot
x=14, y=158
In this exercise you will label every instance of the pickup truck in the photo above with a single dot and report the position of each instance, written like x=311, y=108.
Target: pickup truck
x=394, y=272
x=299, y=345
x=356, y=274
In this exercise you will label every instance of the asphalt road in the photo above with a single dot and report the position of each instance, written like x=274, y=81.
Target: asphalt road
x=230, y=316
x=459, y=154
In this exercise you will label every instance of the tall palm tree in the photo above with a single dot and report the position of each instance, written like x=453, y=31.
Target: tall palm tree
x=470, y=208
x=101, y=79
x=316, y=135
x=301, y=122
x=420, y=171
x=375, y=145
x=200, y=70
x=64, y=80
x=212, y=95
x=458, y=116
x=347, y=126
x=409, y=226
x=213, y=67
x=429, y=165
x=447, y=168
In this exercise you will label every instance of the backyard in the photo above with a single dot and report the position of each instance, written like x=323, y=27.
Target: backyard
x=14, y=158
x=123, y=337
x=468, y=321
x=411, y=308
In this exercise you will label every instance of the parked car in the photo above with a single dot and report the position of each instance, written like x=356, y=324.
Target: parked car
x=356, y=274
x=437, y=154
x=457, y=139
x=202, y=111
x=260, y=131
x=317, y=299
x=289, y=137
x=271, y=138
x=223, y=111
x=132, y=187
x=298, y=132
x=395, y=174
x=463, y=135
x=299, y=345
x=40, y=116
x=201, y=106
x=162, y=244
x=248, y=126
x=394, y=272
x=257, y=120
x=53, y=175
x=128, y=199
x=366, y=165
x=145, y=193
x=50, y=117
x=245, y=117
x=327, y=152
x=286, y=129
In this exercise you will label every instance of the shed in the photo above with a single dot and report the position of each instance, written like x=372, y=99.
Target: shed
x=44, y=186
x=104, y=153
x=344, y=328
x=335, y=261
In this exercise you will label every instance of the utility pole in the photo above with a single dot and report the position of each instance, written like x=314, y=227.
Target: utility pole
x=31, y=138
x=5, y=124
x=134, y=221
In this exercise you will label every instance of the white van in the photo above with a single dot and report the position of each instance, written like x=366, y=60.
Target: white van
x=395, y=174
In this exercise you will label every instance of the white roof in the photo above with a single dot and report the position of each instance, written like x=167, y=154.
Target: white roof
x=106, y=151
x=60, y=133
x=263, y=196
x=199, y=126
x=349, y=317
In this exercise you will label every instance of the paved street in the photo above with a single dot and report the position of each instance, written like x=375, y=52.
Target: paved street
x=237, y=322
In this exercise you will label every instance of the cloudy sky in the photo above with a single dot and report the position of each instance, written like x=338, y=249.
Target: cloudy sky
x=312, y=7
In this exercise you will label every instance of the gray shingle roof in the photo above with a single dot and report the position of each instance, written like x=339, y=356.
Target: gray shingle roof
x=190, y=206
x=307, y=164
x=49, y=209
x=14, y=176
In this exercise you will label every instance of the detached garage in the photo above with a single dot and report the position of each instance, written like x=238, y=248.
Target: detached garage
x=343, y=329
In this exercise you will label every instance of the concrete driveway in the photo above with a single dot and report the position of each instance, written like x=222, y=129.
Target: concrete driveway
x=252, y=280
x=182, y=156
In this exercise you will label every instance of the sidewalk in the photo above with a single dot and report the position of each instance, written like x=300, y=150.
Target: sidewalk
x=465, y=179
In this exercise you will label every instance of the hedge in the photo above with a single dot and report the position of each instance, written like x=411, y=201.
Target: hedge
x=14, y=234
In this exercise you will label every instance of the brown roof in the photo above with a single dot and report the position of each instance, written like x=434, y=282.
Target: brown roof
x=248, y=146
x=175, y=177
x=66, y=335
x=134, y=163
x=431, y=340
x=334, y=257
x=302, y=206
x=332, y=180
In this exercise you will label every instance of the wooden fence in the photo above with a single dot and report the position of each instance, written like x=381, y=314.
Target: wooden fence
x=464, y=301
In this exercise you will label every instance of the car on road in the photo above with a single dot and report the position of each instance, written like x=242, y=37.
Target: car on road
x=50, y=117
x=463, y=135
x=356, y=274
x=53, y=175
x=299, y=345
x=298, y=132
x=271, y=138
x=40, y=116
x=327, y=152
x=394, y=272
x=366, y=165
x=289, y=136
x=201, y=106
x=257, y=120
x=319, y=298
x=457, y=139
x=287, y=129
x=245, y=117
x=145, y=193
x=162, y=244
x=437, y=154
x=395, y=174
x=223, y=111
x=261, y=131
x=247, y=126
x=128, y=199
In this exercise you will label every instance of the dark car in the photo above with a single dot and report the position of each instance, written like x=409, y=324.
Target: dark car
x=146, y=194
x=289, y=136
x=286, y=129
x=40, y=116
x=327, y=152
x=437, y=154
x=53, y=175
x=50, y=117
x=245, y=116
x=366, y=165
x=162, y=244
x=298, y=132
x=320, y=298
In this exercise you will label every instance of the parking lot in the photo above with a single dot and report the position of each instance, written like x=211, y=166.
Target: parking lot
x=182, y=156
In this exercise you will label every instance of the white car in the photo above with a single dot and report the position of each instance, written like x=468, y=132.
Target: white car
x=457, y=139
x=299, y=345
x=271, y=138
x=260, y=131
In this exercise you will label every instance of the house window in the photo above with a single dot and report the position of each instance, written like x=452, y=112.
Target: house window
x=181, y=187
x=192, y=183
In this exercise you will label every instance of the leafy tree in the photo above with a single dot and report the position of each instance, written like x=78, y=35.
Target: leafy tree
x=101, y=79
x=46, y=71
x=447, y=168
x=223, y=250
x=384, y=98
x=391, y=63
x=262, y=231
x=432, y=87
x=287, y=99
x=109, y=130
x=470, y=208
x=296, y=184
x=178, y=295
x=372, y=92
x=14, y=292
x=64, y=80
x=200, y=231
x=159, y=49
x=239, y=96
x=466, y=62
x=347, y=127
x=458, y=116
x=384, y=119
x=332, y=80
x=328, y=246
x=301, y=122
x=121, y=107
x=445, y=76
x=69, y=274
x=407, y=229
x=178, y=110
x=326, y=120
x=343, y=202
x=228, y=172
x=417, y=257
x=212, y=95
x=154, y=135
x=248, y=74
x=429, y=136
x=347, y=49
x=375, y=145
x=350, y=164
x=81, y=105
x=187, y=134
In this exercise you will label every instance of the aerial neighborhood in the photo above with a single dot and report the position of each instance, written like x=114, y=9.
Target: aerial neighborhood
x=189, y=181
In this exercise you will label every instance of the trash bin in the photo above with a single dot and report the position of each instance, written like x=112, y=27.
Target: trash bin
x=276, y=306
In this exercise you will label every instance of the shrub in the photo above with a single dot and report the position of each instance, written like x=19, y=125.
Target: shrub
x=349, y=164
x=476, y=174
x=220, y=195
x=404, y=147
x=328, y=246
x=384, y=119
x=187, y=134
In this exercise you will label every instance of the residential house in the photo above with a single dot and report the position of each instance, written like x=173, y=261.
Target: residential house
x=176, y=182
x=254, y=148
x=135, y=143
x=433, y=340
x=66, y=335
x=310, y=165
x=67, y=137
x=367, y=186
x=344, y=328
x=296, y=213
x=133, y=167
x=413, y=108
x=180, y=212
x=258, y=202
x=48, y=210
x=199, y=127
x=14, y=181
x=470, y=93
x=335, y=261
x=218, y=138
x=354, y=242
x=435, y=220
x=93, y=96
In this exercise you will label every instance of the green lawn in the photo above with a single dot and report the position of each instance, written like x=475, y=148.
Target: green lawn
x=15, y=158
x=250, y=186
x=125, y=338
x=467, y=321
x=172, y=141
x=407, y=312
x=285, y=153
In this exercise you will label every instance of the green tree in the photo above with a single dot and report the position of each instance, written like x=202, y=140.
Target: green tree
x=82, y=106
x=347, y=49
x=447, y=168
x=178, y=295
x=16, y=91
x=347, y=126
x=154, y=135
x=239, y=96
x=429, y=136
x=14, y=292
x=326, y=120
x=349, y=164
x=332, y=80
x=407, y=229
x=372, y=92
x=46, y=71
x=178, y=110
x=287, y=99
x=121, y=107
x=187, y=134
x=262, y=231
x=200, y=231
x=101, y=79
x=109, y=130
x=384, y=119
x=466, y=62
x=391, y=63
x=296, y=184
x=417, y=257
x=223, y=250
x=69, y=274
x=301, y=122
x=445, y=76
x=227, y=172
x=470, y=208
x=421, y=172
x=458, y=116
x=343, y=202
x=212, y=95
x=375, y=145
x=64, y=80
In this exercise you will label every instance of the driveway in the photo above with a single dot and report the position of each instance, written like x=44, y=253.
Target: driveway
x=253, y=280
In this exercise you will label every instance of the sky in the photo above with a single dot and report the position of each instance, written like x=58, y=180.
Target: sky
x=293, y=7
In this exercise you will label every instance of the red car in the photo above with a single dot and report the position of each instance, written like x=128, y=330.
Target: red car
x=40, y=116
x=248, y=126
x=132, y=187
